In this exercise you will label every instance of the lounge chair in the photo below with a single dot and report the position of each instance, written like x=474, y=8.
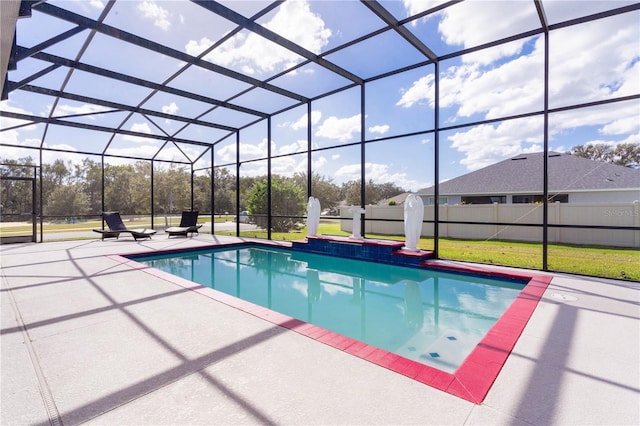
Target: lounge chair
x=188, y=224
x=117, y=227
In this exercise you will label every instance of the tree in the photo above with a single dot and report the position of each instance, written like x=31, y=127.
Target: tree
x=327, y=192
x=628, y=155
x=53, y=176
x=172, y=189
x=374, y=192
x=141, y=185
x=351, y=191
x=224, y=186
x=88, y=175
x=246, y=186
x=57, y=173
x=118, y=188
x=624, y=154
x=67, y=200
x=287, y=199
x=202, y=191
x=16, y=196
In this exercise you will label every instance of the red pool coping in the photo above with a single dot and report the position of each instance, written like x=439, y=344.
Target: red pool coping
x=473, y=378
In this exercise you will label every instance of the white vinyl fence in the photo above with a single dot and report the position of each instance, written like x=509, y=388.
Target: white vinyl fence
x=593, y=214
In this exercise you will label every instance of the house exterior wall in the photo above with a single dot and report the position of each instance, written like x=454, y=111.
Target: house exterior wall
x=591, y=214
x=628, y=196
x=613, y=196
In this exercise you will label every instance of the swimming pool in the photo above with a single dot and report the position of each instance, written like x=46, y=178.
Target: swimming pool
x=431, y=317
x=470, y=381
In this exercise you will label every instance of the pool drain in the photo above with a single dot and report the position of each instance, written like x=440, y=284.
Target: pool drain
x=45, y=391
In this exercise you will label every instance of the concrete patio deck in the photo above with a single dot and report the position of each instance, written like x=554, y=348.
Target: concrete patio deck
x=87, y=339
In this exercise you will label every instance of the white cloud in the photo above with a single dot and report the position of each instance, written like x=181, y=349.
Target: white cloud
x=296, y=22
x=420, y=90
x=489, y=143
x=288, y=166
x=48, y=157
x=341, y=129
x=254, y=169
x=619, y=122
x=6, y=122
x=416, y=6
x=61, y=147
x=159, y=15
x=603, y=63
x=382, y=173
x=379, y=173
x=623, y=125
x=504, y=90
x=144, y=151
x=301, y=123
x=171, y=153
x=226, y=154
x=348, y=172
x=16, y=136
x=172, y=108
x=87, y=5
x=254, y=54
x=614, y=118
x=297, y=146
x=248, y=151
x=140, y=128
x=195, y=48
x=13, y=153
x=381, y=129
x=478, y=22
x=512, y=88
x=606, y=67
x=318, y=162
x=66, y=109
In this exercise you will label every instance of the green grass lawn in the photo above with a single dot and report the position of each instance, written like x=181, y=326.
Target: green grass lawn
x=595, y=261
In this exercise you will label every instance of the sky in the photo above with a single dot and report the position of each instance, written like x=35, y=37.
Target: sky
x=590, y=62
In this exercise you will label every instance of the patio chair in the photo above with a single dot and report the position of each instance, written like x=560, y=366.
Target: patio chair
x=188, y=224
x=117, y=227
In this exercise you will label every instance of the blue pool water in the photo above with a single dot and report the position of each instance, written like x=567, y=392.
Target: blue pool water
x=434, y=318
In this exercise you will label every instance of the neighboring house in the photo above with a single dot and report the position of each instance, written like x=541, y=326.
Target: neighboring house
x=519, y=179
x=398, y=199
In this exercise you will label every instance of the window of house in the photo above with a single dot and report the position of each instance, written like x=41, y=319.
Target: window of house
x=489, y=199
x=537, y=199
x=441, y=201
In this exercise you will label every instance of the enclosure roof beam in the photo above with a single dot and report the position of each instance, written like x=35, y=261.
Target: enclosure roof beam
x=25, y=53
x=59, y=122
x=161, y=49
x=542, y=15
x=123, y=107
x=390, y=20
x=254, y=27
x=144, y=83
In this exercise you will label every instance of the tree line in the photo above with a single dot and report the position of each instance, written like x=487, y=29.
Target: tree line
x=624, y=154
x=75, y=190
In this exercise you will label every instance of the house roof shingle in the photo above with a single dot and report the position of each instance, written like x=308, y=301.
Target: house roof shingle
x=522, y=174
